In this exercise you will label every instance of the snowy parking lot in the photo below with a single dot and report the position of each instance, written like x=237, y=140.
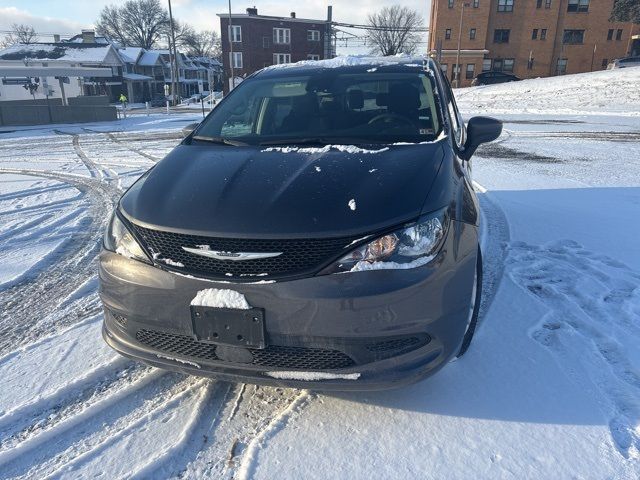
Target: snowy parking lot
x=550, y=387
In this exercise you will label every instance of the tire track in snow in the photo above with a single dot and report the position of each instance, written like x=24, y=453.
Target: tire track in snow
x=593, y=301
x=28, y=307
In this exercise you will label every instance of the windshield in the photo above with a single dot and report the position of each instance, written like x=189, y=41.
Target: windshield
x=327, y=107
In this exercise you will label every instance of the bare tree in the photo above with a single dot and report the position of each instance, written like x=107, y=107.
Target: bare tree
x=394, y=30
x=204, y=44
x=626, y=11
x=137, y=23
x=183, y=32
x=24, y=34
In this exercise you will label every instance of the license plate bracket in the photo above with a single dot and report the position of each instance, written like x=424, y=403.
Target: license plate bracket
x=229, y=326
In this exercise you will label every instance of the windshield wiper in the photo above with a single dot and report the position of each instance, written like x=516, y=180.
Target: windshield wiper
x=297, y=141
x=323, y=141
x=220, y=141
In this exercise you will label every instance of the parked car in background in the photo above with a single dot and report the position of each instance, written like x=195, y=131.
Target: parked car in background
x=624, y=63
x=318, y=229
x=488, y=78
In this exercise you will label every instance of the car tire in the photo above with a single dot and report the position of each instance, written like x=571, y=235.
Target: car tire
x=475, y=310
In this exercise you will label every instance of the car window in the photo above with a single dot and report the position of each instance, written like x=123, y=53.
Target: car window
x=457, y=125
x=371, y=107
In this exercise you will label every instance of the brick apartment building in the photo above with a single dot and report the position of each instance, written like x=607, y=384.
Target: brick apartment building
x=531, y=38
x=256, y=41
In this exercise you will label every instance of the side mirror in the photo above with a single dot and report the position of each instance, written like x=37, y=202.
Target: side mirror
x=188, y=130
x=480, y=130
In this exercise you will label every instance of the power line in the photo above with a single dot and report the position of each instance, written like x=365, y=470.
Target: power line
x=378, y=27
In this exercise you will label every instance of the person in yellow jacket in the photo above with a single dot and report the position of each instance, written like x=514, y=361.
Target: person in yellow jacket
x=123, y=100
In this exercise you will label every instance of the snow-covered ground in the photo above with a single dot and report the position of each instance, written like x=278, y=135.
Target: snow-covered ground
x=550, y=388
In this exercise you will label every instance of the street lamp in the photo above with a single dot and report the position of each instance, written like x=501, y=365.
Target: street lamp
x=457, y=65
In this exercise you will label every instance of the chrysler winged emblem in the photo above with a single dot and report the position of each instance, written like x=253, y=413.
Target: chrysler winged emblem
x=205, y=251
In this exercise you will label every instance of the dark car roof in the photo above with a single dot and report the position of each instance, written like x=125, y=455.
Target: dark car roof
x=353, y=64
x=494, y=72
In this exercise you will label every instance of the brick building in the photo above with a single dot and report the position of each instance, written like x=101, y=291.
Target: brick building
x=531, y=38
x=256, y=41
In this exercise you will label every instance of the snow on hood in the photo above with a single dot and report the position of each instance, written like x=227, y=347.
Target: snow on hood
x=325, y=149
x=220, y=298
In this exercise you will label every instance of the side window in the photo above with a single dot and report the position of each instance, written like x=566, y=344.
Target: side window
x=457, y=125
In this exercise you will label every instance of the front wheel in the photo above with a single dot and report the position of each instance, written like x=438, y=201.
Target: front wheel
x=474, y=307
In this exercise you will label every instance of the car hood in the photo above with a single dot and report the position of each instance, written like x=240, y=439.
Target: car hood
x=284, y=192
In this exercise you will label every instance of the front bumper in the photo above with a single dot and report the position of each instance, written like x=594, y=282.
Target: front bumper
x=395, y=326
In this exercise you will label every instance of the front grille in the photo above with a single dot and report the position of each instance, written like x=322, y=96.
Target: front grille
x=299, y=256
x=272, y=357
x=398, y=344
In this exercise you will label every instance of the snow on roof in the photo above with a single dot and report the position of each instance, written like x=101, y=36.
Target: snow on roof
x=72, y=52
x=130, y=54
x=350, y=60
x=149, y=58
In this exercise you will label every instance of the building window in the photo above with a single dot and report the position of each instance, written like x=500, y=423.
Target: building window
x=455, y=69
x=486, y=64
x=505, y=5
x=539, y=4
x=573, y=37
x=507, y=65
x=561, y=66
x=447, y=34
x=501, y=36
x=282, y=36
x=578, y=6
x=543, y=34
x=235, y=33
x=472, y=34
x=534, y=34
x=605, y=62
x=313, y=35
x=619, y=34
x=469, y=74
x=476, y=3
x=450, y=3
x=547, y=4
x=610, y=34
x=236, y=59
x=281, y=58
x=312, y=56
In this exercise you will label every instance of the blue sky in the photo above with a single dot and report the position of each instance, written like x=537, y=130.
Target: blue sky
x=69, y=16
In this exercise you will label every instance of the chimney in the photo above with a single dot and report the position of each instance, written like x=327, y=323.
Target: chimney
x=88, y=36
x=252, y=11
x=293, y=14
x=329, y=13
x=56, y=38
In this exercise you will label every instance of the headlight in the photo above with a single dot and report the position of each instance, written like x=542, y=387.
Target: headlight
x=117, y=238
x=408, y=247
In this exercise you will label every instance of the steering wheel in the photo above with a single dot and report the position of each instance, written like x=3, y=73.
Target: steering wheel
x=388, y=118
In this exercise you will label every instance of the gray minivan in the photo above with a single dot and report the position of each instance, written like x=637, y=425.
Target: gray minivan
x=318, y=229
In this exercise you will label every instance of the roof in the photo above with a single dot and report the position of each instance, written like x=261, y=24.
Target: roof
x=135, y=76
x=61, y=52
x=271, y=18
x=80, y=39
x=150, y=58
x=130, y=54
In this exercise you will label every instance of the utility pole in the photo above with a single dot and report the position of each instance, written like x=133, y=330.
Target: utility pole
x=457, y=65
x=175, y=83
x=232, y=83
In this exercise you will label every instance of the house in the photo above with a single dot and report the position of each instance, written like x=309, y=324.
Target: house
x=532, y=38
x=60, y=55
x=251, y=41
x=139, y=73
